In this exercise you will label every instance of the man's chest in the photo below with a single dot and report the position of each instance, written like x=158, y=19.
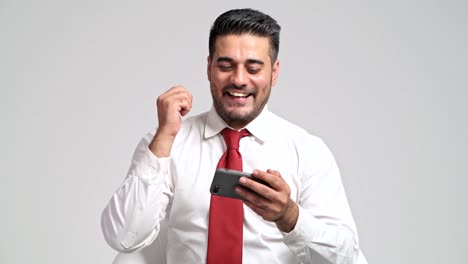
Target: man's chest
x=194, y=165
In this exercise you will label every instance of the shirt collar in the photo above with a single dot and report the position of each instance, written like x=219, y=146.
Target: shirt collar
x=259, y=127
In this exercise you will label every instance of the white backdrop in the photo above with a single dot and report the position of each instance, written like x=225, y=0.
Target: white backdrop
x=384, y=83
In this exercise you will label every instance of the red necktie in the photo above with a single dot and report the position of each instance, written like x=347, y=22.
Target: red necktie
x=226, y=214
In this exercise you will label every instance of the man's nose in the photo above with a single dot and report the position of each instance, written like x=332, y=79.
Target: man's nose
x=239, y=76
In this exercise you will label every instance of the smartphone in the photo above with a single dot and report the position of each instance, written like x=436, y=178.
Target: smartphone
x=225, y=181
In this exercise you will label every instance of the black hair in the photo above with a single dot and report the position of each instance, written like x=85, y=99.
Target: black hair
x=246, y=21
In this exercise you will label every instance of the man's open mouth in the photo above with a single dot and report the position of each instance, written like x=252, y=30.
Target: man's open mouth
x=238, y=94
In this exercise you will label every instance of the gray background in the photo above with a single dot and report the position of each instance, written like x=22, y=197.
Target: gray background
x=384, y=83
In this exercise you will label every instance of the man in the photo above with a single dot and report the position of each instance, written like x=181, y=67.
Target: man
x=301, y=216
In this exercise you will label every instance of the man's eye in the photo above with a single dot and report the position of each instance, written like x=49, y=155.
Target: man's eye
x=253, y=70
x=225, y=67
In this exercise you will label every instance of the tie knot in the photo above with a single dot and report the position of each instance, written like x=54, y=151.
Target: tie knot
x=232, y=137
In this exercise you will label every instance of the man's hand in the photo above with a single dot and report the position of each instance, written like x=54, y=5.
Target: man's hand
x=172, y=105
x=272, y=204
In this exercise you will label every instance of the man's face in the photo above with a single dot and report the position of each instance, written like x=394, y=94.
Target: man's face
x=241, y=76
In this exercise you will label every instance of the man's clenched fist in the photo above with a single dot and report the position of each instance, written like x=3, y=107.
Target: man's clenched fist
x=172, y=105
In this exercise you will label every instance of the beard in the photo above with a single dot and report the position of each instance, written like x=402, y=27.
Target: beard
x=231, y=113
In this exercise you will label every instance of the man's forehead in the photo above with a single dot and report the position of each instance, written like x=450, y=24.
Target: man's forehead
x=242, y=46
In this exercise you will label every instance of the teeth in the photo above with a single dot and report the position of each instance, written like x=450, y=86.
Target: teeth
x=238, y=94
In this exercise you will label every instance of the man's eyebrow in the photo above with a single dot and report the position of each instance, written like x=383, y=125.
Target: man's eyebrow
x=226, y=59
x=249, y=61
x=254, y=61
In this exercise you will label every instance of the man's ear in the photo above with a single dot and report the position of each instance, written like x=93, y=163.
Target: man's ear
x=208, y=68
x=275, y=72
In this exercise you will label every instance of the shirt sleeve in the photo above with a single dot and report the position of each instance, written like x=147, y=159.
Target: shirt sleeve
x=325, y=231
x=131, y=219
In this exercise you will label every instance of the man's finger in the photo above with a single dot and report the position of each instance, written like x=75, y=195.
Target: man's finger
x=258, y=188
x=272, y=179
x=253, y=197
x=275, y=172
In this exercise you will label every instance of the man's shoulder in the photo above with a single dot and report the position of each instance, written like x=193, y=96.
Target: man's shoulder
x=288, y=129
x=195, y=120
x=307, y=145
x=192, y=126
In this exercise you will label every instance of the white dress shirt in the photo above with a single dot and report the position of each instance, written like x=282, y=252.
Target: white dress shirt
x=176, y=189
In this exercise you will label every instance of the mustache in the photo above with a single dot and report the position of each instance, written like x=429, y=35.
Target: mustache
x=240, y=88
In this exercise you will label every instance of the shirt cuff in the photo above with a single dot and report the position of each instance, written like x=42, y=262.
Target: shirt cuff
x=308, y=229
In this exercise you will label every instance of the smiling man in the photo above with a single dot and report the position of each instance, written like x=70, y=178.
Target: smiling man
x=301, y=214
